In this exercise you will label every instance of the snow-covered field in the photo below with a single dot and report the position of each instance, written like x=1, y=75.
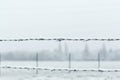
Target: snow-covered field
x=25, y=74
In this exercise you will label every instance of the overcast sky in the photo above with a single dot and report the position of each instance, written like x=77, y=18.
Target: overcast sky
x=59, y=18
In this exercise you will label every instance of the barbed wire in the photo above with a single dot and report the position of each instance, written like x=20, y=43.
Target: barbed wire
x=60, y=39
x=74, y=70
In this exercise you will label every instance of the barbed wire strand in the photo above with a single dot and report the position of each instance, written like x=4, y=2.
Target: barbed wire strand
x=60, y=39
x=74, y=70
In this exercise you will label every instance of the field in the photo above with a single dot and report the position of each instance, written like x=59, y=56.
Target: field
x=30, y=74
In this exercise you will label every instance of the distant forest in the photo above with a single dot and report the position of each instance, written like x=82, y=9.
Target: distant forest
x=59, y=55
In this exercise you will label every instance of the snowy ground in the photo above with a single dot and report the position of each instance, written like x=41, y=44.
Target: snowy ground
x=24, y=74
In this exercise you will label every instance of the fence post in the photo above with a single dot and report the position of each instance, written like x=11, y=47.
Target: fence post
x=69, y=65
x=37, y=63
x=0, y=64
x=99, y=61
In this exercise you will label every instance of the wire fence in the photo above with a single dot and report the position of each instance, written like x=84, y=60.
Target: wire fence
x=37, y=67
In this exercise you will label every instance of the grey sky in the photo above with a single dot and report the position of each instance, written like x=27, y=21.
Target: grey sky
x=59, y=18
